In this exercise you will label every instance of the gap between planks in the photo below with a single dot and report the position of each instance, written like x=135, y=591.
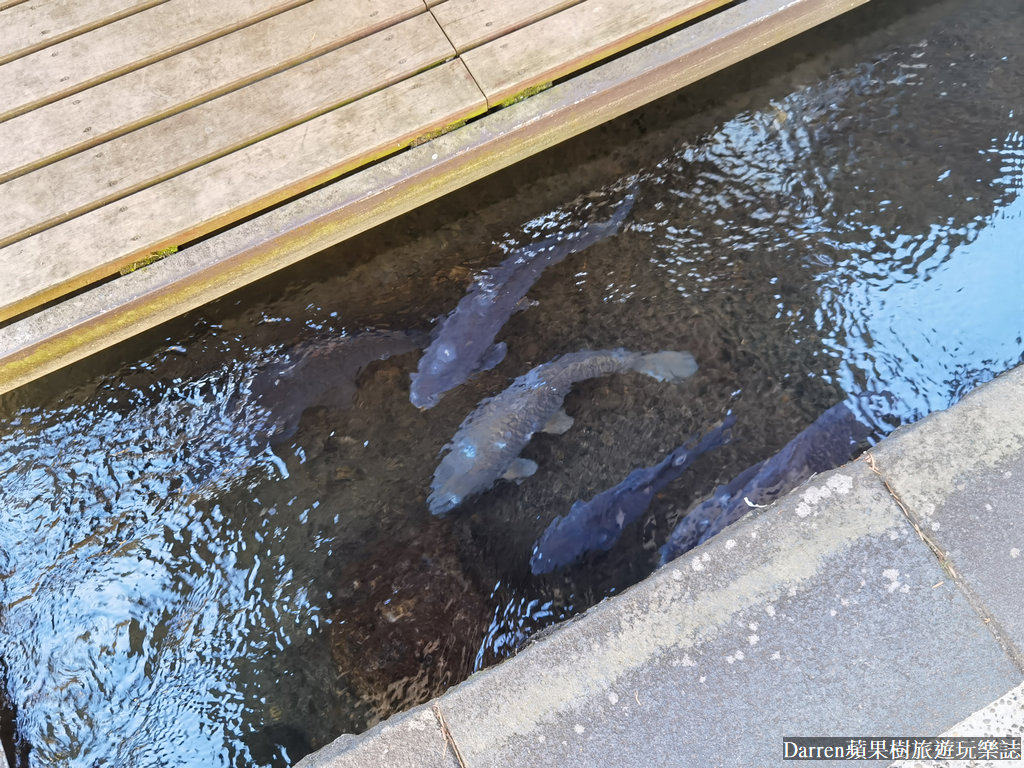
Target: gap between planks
x=234, y=186
x=469, y=23
x=190, y=139
x=133, y=42
x=50, y=339
x=32, y=27
x=133, y=100
x=573, y=39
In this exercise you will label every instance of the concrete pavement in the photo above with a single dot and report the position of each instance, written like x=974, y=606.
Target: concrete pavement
x=882, y=598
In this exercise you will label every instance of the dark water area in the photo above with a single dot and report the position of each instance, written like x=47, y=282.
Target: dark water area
x=215, y=544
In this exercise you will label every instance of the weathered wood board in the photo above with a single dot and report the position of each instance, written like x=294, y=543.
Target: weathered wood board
x=146, y=95
x=469, y=23
x=98, y=243
x=572, y=39
x=48, y=338
x=122, y=46
x=31, y=26
x=117, y=168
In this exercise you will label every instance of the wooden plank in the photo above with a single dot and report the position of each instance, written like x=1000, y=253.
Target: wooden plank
x=128, y=44
x=29, y=27
x=135, y=99
x=469, y=23
x=48, y=340
x=113, y=170
x=571, y=40
x=97, y=244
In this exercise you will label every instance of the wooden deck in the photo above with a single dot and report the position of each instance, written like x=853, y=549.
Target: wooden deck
x=128, y=127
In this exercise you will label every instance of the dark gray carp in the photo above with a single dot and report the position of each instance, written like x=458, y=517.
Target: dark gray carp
x=831, y=440
x=487, y=444
x=463, y=342
x=596, y=525
x=322, y=372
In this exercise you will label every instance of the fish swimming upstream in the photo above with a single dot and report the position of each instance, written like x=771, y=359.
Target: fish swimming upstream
x=463, y=343
x=829, y=441
x=321, y=372
x=596, y=525
x=486, y=446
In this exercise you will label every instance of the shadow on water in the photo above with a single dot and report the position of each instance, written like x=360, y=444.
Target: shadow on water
x=16, y=750
x=216, y=548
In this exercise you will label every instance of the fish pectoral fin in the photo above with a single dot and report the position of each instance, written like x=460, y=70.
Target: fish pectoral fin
x=494, y=355
x=520, y=468
x=524, y=304
x=558, y=424
x=666, y=365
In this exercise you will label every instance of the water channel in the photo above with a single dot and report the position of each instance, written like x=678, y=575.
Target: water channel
x=215, y=541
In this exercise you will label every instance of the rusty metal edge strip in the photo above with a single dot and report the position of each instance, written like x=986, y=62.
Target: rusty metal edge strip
x=85, y=324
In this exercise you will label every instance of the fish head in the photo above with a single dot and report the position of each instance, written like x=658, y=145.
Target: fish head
x=556, y=548
x=441, y=502
x=559, y=546
x=461, y=473
x=421, y=397
x=563, y=545
x=567, y=539
x=440, y=369
x=540, y=563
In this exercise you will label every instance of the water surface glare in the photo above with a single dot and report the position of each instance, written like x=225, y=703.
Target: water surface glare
x=215, y=544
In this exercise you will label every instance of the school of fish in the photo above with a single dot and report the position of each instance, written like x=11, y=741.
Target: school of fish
x=487, y=445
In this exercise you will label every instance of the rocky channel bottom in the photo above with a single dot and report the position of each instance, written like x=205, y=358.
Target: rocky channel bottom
x=407, y=622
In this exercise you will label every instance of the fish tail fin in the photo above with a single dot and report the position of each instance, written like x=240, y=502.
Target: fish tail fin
x=666, y=365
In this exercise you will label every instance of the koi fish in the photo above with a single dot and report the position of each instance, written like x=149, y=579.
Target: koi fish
x=486, y=446
x=596, y=525
x=463, y=343
x=831, y=440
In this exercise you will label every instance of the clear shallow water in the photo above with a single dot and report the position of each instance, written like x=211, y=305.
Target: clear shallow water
x=844, y=216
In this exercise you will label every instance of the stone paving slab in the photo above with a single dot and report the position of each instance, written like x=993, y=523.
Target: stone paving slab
x=961, y=473
x=410, y=740
x=1003, y=717
x=823, y=615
